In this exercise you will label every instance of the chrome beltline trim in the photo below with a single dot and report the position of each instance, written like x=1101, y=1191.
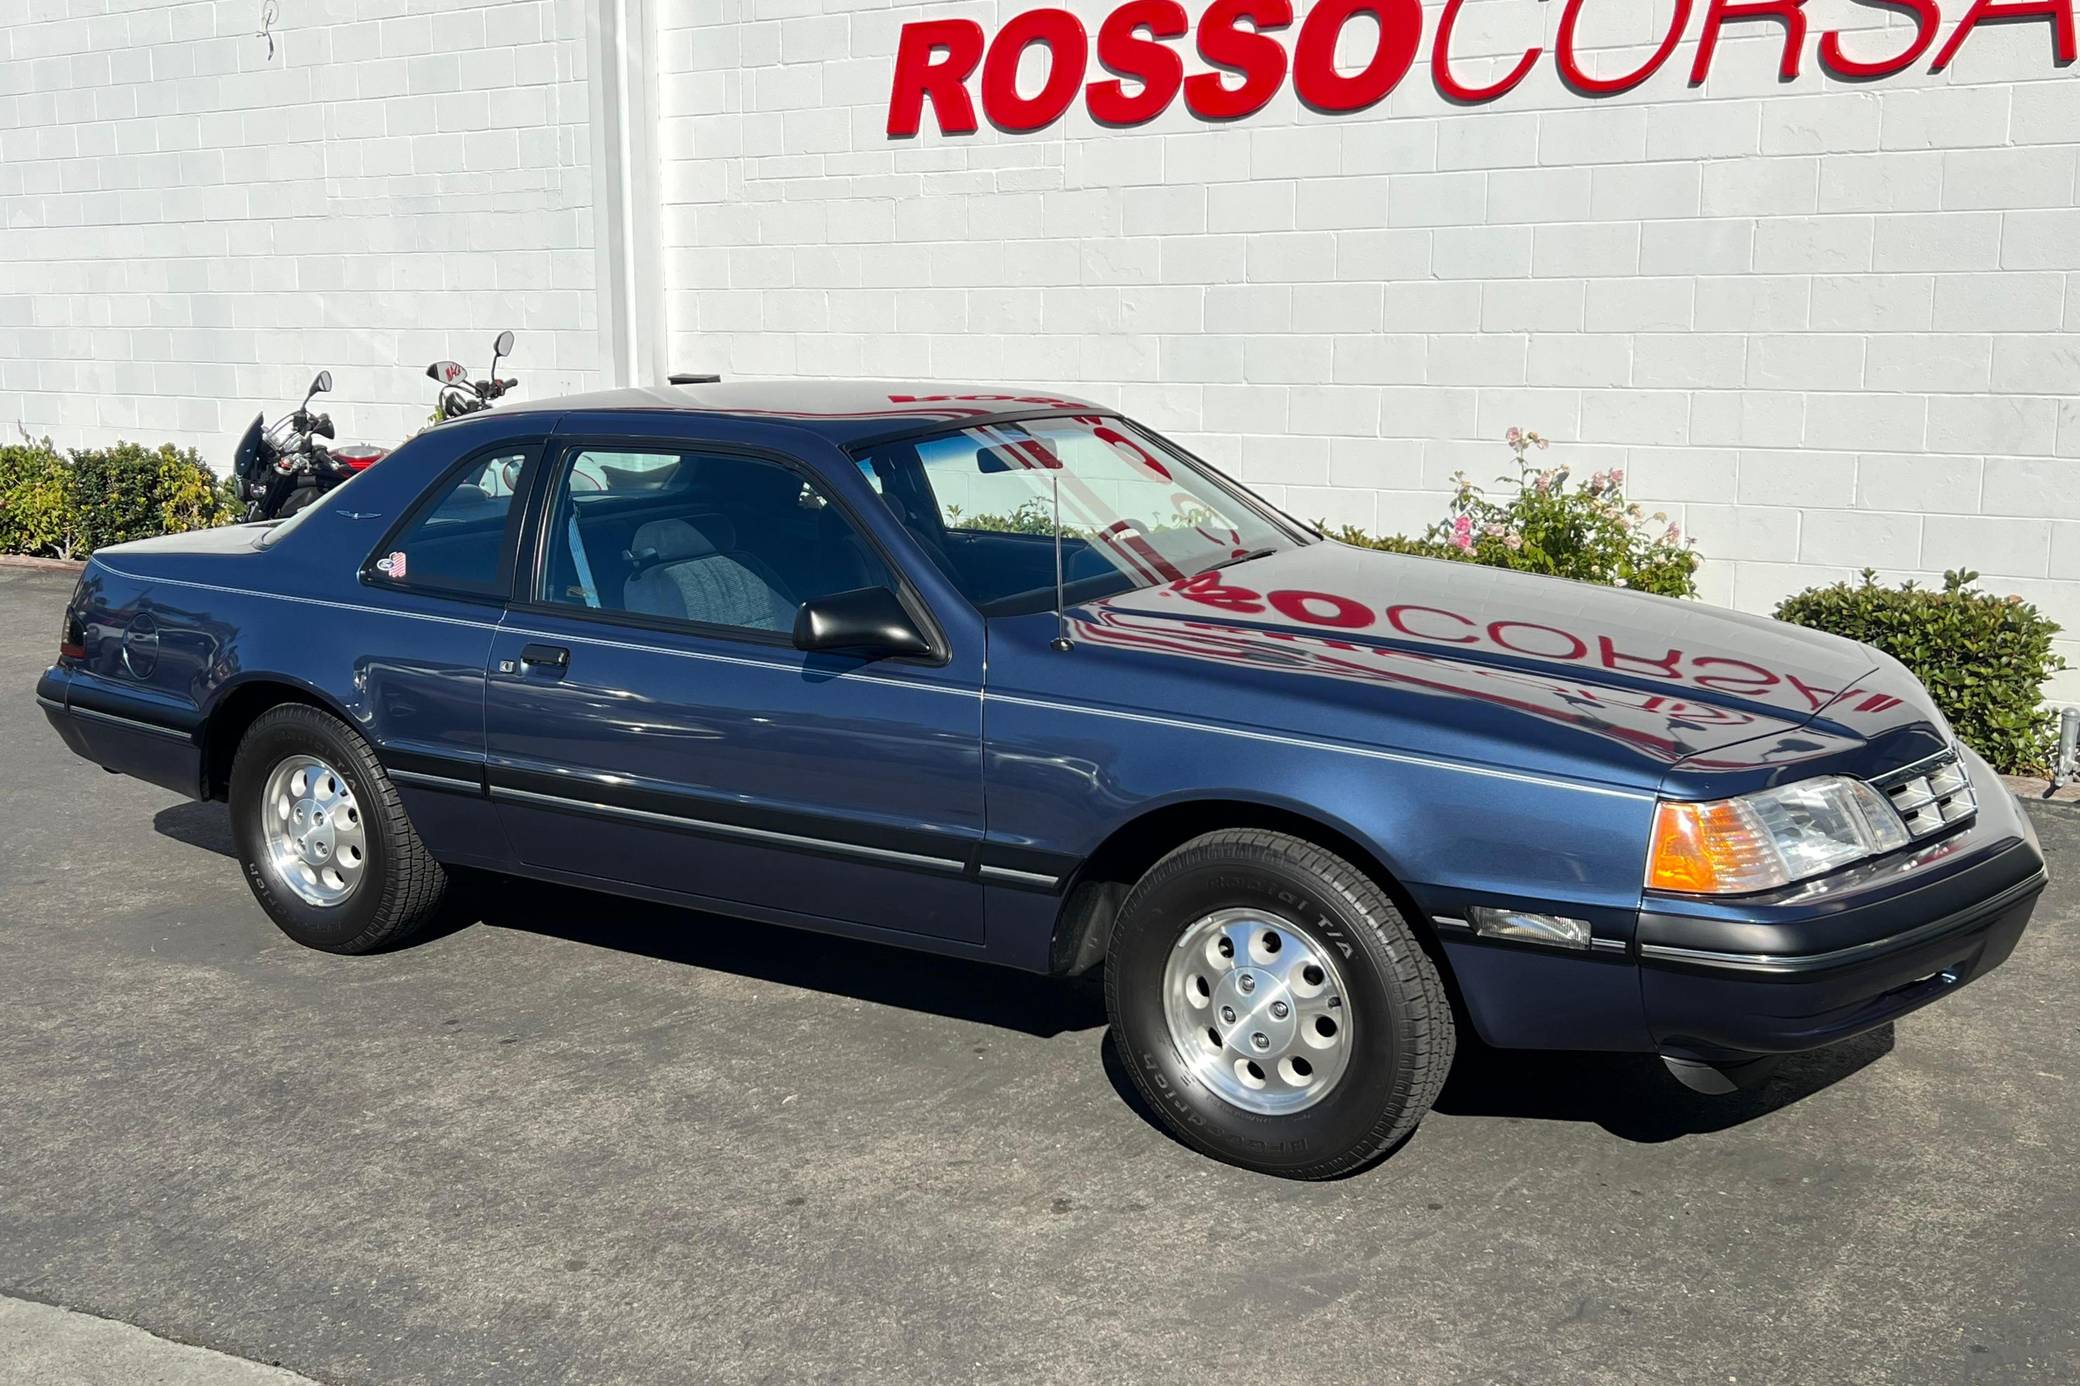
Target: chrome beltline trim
x=409, y=615
x=1272, y=738
x=1369, y=752
x=1808, y=962
x=151, y=580
x=673, y=820
x=558, y=635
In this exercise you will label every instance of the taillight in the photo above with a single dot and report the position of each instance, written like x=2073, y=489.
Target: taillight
x=72, y=637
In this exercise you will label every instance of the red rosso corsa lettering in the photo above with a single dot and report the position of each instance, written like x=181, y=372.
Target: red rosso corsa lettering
x=1437, y=626
x=1315, y=78
x=1061, y=33
x=1121, y=49
x=1241, y=43
x=1252, y=54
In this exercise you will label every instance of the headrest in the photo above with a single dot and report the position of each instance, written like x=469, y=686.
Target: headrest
x=694, y=537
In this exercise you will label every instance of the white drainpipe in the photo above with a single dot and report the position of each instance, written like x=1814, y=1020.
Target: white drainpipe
x=621, y=68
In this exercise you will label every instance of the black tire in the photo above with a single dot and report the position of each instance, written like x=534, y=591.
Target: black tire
x=401, y=886
x=1403, y=1037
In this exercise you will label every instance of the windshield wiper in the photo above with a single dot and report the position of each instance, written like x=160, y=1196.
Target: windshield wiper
x=1242, y=558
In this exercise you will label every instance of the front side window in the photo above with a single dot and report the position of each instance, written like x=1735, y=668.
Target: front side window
x=708, y=539
x=456, y=541
x=1134, y=511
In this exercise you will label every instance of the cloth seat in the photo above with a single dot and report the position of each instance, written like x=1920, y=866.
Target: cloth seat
x=690, y=569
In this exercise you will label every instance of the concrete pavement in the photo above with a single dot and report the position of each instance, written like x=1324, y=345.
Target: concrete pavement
x=586, y=1141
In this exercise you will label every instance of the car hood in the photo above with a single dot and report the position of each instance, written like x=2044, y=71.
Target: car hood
x=1585, y=679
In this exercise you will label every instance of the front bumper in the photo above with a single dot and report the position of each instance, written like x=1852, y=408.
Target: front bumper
x=1828, y=959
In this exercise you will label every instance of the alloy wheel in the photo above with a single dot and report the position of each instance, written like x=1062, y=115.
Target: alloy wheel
x=1258, y=1011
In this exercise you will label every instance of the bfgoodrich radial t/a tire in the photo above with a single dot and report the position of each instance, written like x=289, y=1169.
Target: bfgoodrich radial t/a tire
x=1273, y=1006
x=324, y=839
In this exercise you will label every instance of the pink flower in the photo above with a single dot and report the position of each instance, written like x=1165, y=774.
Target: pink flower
x=1617, y=476
x=1462, y=531
x=1514, y=541
x=1514, y=436
x=1674, y=535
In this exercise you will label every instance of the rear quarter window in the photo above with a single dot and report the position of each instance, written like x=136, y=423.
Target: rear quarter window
x=456, y=540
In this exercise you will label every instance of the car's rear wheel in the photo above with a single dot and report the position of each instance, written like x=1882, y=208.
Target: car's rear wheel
x=1274, y=1007
x=323, y=836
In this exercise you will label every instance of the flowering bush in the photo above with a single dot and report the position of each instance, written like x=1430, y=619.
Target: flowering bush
x=1590, y=532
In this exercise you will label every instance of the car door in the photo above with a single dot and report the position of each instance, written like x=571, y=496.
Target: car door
x=649, y=721
x=413, y=645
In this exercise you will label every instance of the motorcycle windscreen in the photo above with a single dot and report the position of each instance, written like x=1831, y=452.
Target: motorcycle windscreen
x=248, y=459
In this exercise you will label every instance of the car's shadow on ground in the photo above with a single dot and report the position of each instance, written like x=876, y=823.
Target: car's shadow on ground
x=1629, y=1095
x=1633, y=1096
x=872, y=972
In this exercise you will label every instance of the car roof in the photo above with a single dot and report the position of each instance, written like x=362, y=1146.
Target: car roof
x=843, y=411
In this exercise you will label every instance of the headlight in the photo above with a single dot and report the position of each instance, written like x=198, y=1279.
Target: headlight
x=1768, y=839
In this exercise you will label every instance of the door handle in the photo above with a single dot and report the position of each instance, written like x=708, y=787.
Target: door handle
x=554, y=657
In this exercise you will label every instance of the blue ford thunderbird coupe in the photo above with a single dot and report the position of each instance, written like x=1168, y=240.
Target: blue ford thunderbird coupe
x=1012, y=678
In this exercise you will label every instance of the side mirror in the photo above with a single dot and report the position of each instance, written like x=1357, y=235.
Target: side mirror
x=323, y=384
x=446, y=372
x=868, y=621
x=504, y=345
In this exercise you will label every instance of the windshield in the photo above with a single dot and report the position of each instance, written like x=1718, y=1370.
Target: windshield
x=1134, y=510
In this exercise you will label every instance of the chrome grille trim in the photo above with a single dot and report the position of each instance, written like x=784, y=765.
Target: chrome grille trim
x=1931, y=794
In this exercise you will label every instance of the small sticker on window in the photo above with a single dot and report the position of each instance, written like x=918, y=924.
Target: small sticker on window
x=391, y=565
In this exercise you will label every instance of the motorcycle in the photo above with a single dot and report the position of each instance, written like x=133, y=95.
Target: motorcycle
x=283, y=468
x=459, y=394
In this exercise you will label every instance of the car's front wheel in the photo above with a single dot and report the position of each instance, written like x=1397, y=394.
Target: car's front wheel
x=324, y=839
x=1273, y=1006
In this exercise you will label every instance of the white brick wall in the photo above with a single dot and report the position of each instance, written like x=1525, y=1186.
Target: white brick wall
x=189, y=230
x=1828, y=325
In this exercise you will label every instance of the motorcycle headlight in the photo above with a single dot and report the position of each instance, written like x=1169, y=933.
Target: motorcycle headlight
x=1770, y=838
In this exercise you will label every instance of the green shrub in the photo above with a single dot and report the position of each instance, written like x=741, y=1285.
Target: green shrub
x=130, y=492
x=1591, y=533
x=1032, y=516
x=1983, y=658
x=68, y=506
x=35, y=498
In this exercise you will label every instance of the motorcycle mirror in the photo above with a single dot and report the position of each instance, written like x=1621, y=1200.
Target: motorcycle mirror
x=322, y=385
x=504, y=345
x=446, y=372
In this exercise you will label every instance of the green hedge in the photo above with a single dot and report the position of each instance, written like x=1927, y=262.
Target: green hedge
x=66, y=505
x=1983, y=658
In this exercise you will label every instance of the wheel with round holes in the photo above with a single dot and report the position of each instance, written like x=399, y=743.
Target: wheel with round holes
x=1274, y=1007
x=324, y=839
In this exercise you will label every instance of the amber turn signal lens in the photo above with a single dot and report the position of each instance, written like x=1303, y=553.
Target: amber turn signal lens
x=1710, y=849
